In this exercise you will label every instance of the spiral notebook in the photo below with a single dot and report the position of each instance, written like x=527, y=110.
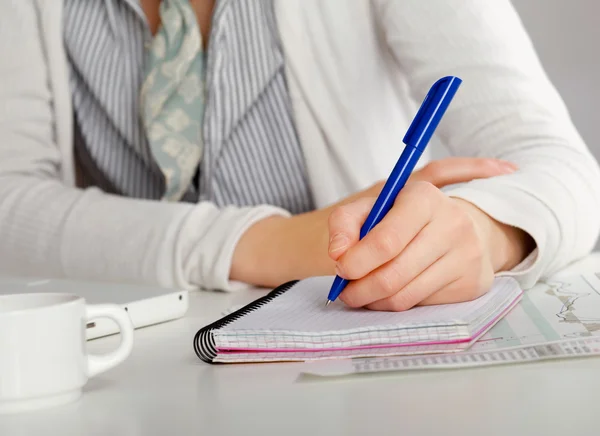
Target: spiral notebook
x=291, y=323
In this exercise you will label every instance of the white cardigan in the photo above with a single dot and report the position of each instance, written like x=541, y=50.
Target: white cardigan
x=353, y=69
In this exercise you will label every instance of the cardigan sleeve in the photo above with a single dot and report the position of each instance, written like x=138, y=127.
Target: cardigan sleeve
x=50, y=229
x=506, y=108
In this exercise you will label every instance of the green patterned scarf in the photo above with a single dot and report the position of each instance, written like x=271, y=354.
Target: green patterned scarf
x=172, y=96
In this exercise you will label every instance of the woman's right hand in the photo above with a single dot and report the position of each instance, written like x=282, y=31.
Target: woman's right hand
x=276, y=249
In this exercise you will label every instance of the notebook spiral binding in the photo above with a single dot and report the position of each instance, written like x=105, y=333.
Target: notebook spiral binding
x=204, y=341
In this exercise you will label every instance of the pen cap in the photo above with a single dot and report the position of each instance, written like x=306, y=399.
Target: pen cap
x=431, y=112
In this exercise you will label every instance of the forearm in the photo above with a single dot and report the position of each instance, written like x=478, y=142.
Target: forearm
x=279, y=249
x=49, y=229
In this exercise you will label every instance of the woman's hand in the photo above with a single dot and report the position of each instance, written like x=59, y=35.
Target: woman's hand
x=429, y=249
x=278, y=249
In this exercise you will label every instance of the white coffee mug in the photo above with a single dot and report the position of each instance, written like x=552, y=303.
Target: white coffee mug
x=43, y=358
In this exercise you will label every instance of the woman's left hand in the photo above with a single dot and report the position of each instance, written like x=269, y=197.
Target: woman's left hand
x=429, y=249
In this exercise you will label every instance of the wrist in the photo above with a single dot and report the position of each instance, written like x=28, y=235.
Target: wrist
x=507, y=245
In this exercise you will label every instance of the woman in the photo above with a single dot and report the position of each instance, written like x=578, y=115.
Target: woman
x=194, y=143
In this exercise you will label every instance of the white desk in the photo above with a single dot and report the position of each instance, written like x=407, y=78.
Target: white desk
x=164, y=389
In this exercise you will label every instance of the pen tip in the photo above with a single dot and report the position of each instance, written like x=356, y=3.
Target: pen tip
x=328, y=303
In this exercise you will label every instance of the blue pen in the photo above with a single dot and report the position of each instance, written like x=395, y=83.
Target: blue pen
x=416, y=139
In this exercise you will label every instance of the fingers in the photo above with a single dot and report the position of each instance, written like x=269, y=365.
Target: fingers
x=422, y=228
x=462, y=169
x=438, y=276
x=467, y=288
x=433, y=242
x=411, y=213
x=445, y=282
x=448, y=249
x=345, y=223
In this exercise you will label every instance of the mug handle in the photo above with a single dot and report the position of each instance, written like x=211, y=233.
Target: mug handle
x=98, y=364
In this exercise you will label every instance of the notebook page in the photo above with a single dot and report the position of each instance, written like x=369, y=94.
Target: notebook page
x=301, y=310
x=306, y=354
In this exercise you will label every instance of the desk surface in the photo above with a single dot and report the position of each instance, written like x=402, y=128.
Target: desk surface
x=164, y=389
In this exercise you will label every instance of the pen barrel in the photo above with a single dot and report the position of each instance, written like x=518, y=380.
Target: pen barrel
x=398, y=178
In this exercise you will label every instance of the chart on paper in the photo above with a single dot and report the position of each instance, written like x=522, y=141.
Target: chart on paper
x=555, y=319
x=550, y=311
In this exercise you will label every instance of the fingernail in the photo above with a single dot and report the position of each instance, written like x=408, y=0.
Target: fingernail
x=338, y=242
x=507, y=167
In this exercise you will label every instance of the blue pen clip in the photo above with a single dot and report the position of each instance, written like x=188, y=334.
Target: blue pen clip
x=431, y=112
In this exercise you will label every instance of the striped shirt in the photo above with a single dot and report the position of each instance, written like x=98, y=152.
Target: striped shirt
x=252, y=152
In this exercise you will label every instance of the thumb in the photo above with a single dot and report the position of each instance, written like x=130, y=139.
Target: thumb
x=345, y=223
x=462, y=169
